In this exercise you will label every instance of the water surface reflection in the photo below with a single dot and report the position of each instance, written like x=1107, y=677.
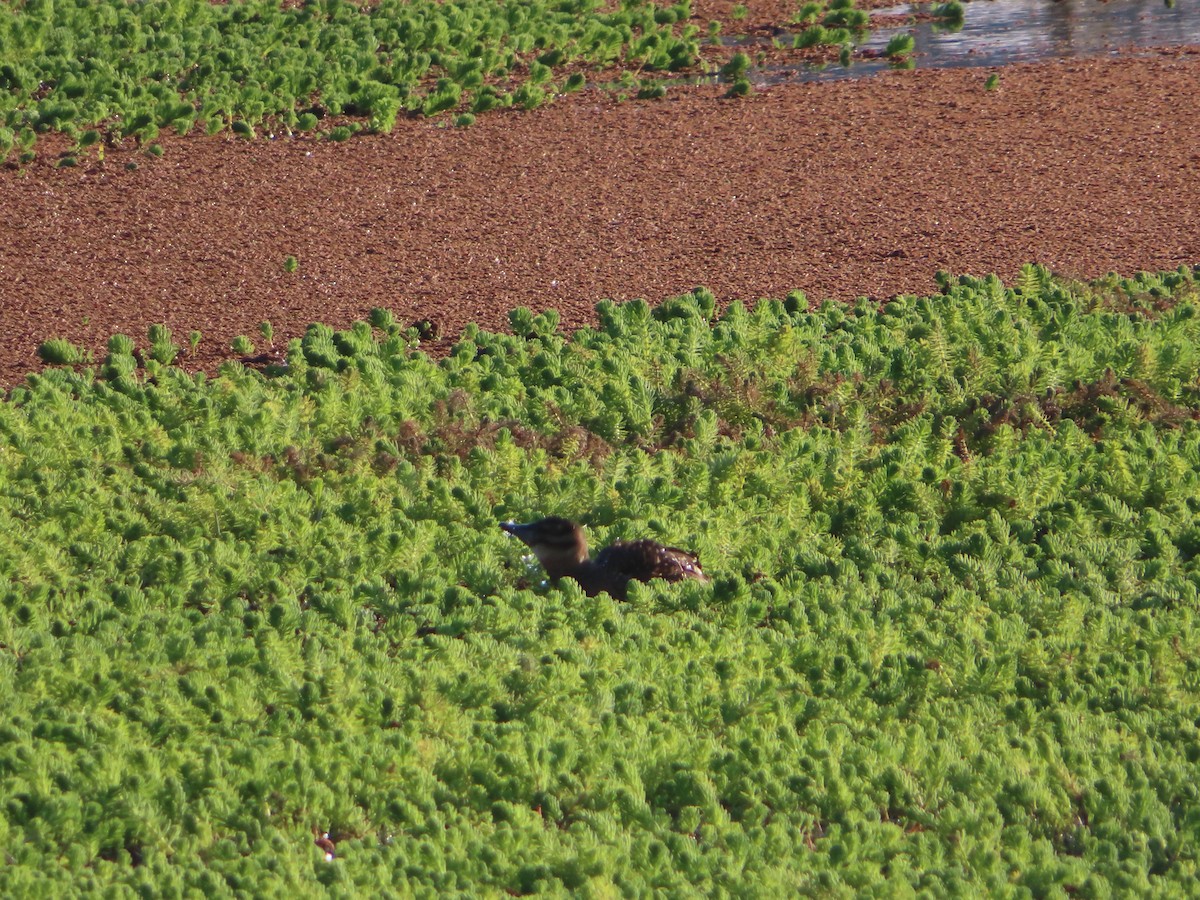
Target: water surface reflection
x=999, y=32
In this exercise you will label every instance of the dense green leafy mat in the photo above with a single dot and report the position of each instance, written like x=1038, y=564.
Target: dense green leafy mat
x=951, y=642
x=138, y=67
x=107, y=71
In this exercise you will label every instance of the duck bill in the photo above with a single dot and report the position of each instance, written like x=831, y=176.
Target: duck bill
x=516, y=529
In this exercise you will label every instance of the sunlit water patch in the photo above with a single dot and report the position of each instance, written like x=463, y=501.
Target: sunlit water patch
x=1000, y=32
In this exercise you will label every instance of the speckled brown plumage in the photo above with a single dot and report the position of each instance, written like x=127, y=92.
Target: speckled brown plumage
x=561, y=548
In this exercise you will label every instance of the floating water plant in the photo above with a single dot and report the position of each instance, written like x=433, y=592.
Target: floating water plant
x=652, y=90
x=740, y=87
x=842, y=14
x=259, y=64
x=162, y=348
x=529, y=96
x=737, y=67
x=809, y=13
x=900, y=46
x=951, y=12
x=60, y=352
x=447, y=96
x=812, y=36
x=261, y=632
x=120, y=363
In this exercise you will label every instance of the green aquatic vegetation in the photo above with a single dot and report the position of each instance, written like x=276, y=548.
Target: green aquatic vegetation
x=737, y=67
x=447, y=96
x=263, y=66
x=89, y=138
x=162, y=348
x=842, y=14
x=490, y=98
x=900, y=46
x=740, y=87
x=809, y=13
x=835, y=37
x=812, y=36
x=529, y=96
x=837, y=15
x=61, y=352
x=257, y=64
x=949, y=643
x=951, y=11
x=652, y=90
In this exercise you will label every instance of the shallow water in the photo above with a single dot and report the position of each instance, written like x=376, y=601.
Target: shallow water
x=998, y=32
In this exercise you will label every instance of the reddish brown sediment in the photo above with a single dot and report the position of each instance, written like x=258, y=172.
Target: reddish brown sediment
x=862, y=188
